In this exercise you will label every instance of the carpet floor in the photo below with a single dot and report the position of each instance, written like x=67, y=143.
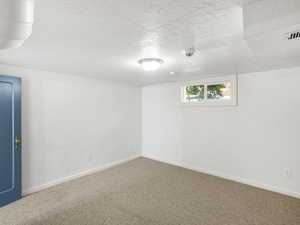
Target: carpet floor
x=147, y=192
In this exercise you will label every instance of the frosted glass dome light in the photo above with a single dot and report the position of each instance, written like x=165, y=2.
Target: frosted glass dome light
x=16, y=20
x=150, y=64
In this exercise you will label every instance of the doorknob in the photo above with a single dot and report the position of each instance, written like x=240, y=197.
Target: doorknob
x=18, y=142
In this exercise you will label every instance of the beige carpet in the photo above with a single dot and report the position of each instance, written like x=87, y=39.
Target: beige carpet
x=147, y=192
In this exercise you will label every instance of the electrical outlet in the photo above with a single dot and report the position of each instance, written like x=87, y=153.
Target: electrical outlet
x=288, y=173
x=90, y=158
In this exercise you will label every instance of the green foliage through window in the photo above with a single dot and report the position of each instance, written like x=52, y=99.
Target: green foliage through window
x=194, y=93
x=210, y=92
x=215, y=91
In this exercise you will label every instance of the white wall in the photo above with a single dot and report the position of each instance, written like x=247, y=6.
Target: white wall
x=253, y=143
x=73, y=125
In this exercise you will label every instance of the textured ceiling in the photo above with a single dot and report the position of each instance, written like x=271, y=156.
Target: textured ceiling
x=105, y=38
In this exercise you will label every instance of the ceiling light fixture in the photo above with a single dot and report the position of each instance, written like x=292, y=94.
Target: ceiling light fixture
x=150, y=64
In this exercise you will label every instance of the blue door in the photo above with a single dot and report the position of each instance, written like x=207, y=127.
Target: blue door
x=10, y=139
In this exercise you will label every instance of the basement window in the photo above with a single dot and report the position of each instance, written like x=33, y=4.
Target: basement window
x=212, y=91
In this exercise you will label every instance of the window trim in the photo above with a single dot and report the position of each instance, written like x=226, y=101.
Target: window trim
x=209, y=81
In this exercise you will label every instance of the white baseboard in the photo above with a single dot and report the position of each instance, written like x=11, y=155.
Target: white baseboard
x=230, y=177
x=75, y=176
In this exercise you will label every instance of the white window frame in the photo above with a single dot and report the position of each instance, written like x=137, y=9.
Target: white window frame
x=210, y=102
